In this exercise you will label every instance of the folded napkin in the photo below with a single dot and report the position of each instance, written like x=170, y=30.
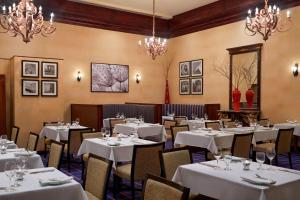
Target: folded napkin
x=136, y=141
x=9, y=142
x=41, y=170
x=123, y=136
x=211, y=134
x=207, y=129
x=55, y=181
x=236, y=159
x=258, y=180
x=15, y=150
x=25, y=153
x=112, y=143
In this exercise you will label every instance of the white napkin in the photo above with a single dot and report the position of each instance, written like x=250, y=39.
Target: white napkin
x=207, y=129
x=211, y=134
x=14, y=150
x=55, y=181
x=25, y=153
x=113, y=143
x=41, y=170
x=258, y=180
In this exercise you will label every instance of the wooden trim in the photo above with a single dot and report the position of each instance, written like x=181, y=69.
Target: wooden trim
x=3, y=103
x=35, y=57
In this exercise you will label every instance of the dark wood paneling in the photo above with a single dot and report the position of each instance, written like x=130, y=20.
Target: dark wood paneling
x=212, y=111
x=2, y=105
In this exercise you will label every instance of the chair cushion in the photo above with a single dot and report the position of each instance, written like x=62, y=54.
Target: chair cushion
x=90, y=196
x=264, y=147
x=124, y=171
x=85, y=157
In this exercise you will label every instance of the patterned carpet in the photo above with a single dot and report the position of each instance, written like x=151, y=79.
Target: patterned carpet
x=197, y=157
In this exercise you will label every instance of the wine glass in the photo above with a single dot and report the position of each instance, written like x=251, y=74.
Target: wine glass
x=218, y=155
x=260, y=158
x=10, y=172
x=107, y=133
x=271, y=153
x=227, y=159
x=205, y=116
x=3, y=146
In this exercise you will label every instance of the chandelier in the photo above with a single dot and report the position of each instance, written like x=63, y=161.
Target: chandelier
x=267, y=21
x=25, y=20
x=154, y=46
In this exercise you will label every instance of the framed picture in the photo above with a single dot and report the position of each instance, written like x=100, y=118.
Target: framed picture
x=49, y=70
x=109, y=78
x=197, y=67
x=49, y=88
x=30, y=87
x=30, y=69
x=184, y=86
x=197, y=86
x=184, y=69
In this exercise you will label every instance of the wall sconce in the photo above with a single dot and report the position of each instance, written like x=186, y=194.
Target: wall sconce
x=79, y=76
x=295, y=69
x=137, y=78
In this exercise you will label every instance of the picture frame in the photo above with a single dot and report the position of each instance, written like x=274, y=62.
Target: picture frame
x=184, y=69
x=184, y=86
x=197, y=67
x=49, y=70
x=112, y=78
x=30, y=69
x=196, y=86
x=49, y=88
x=30, y=87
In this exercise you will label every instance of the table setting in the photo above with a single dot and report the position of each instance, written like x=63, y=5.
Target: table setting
x=6, y=144
x=48, y=183
x=233, y=177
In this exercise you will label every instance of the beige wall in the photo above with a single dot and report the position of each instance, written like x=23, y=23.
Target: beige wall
x=280, y=91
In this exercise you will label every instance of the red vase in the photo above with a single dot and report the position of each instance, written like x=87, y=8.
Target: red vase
x=236, y=96
x=167, y=94
x=249, y=97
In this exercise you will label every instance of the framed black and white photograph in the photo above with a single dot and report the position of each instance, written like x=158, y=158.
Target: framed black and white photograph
x=109, y=78
x=49, y=88
x=30, y=87
x=30, y=69
x=197, y=67
x=184, y=86
x=184, y=69
x=197, y=86
x=49, y=69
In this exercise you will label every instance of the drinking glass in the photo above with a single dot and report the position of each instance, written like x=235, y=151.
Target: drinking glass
x=4, y=137
x=260, y=158
x=3, y=146
x=218, y=155
x=107, y=133
x=205, y=116
x=10, y=172
x=271, y=153
x=227, y=159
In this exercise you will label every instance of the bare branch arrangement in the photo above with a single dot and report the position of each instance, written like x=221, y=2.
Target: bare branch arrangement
x=249, y=73
x=167, y=63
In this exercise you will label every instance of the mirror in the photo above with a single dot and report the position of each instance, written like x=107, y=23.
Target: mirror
x=245, y=67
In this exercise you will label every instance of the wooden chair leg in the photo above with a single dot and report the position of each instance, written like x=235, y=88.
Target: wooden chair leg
x=68, y=161
x=132, y=190
x=82, y=169
x=276, y=160
x=116, y=185
x=290, y=160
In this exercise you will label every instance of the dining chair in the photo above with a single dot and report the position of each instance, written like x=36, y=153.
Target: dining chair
x=159, y=188
x=88, y=135
x=264, y=122
x=167, y=124
x=74, y=142
x=145, y=160
x=14, y=134
x=32, y=141
x=282, y=145
x=215, y=125
x=229, y=124
x=171, y=159
x=97, y=177
x=180, y=119
x=112, y=124
x=47, y=141
x=241, y=145
x=176, y=129
x=55, y=155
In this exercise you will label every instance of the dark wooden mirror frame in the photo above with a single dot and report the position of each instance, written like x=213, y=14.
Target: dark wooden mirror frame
x=240, y=50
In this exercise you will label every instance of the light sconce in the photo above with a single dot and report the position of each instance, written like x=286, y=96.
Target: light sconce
x=79, y=76
x=138, y=78
x=295, y=69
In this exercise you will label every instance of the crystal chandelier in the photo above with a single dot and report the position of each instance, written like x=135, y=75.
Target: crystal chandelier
x=154, y=46
x=25, y=20
x=267, y=21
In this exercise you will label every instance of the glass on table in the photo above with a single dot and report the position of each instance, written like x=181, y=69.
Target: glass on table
x=10, y=172
x=271, y=153
x=260, y=158
x=107, y=134
x=218, y=155
x=227, y=159
x=3, y=146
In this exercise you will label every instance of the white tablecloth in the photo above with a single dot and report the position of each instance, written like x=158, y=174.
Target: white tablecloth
x=227, y=185
x=163, y=118
x=143, y=130
x=296, y=127
x=197, y=123
x=57, y=133
x=121, y=153
x=30, y=188
x=34, y=161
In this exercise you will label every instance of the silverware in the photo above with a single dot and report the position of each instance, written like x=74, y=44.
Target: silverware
x=260, y=177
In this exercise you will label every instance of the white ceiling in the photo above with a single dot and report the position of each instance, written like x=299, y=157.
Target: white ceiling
x=164, y=8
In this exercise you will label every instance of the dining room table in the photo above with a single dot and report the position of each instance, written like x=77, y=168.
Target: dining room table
x=115, y=149
x=198, y=123
x=34, y=160
x=211, y=179
x=58, y=133
x=45, y=183
x=289, y=124
x=144, y=130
